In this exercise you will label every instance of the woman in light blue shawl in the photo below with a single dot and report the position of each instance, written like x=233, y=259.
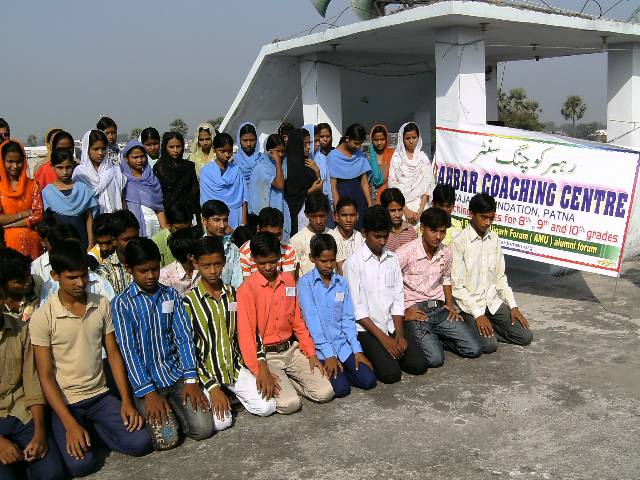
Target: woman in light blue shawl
x=248, y=152
x=266, y=186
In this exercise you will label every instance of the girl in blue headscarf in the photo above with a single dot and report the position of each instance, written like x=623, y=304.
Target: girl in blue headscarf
x=348, y=168
x=266, y=186
x=223, y=180
x=248, y=153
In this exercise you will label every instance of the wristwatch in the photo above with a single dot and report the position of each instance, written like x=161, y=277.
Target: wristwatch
x=190, y=380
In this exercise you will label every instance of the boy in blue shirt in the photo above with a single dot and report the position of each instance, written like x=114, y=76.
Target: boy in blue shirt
x=327, y=309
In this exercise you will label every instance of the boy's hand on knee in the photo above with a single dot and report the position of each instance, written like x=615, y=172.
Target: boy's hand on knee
x=414, y=314
x=516, y=315
x=453, y=313
x=37, y=448
x=267, y=383
x=332, y=367
x=220, y=404
x=360, y=359
x=157, y=408
x=391, y=345
x=78, y=441
x=131, y=417
x=484, y=326
x=9, y=452
x=194, y=393
x=315, y=363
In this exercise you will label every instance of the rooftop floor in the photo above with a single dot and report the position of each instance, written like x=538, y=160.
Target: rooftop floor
x=566, y=407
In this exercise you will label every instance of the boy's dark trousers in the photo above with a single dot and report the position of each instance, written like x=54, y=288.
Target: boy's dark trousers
x=503, y=331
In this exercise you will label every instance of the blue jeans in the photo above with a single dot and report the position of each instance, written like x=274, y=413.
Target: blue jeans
x=362, y=378
x=100, y=416
x=50, y=467
x=438, y=332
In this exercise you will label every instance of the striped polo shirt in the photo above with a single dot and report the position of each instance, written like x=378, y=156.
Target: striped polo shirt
x=406, y=234
x=287, y=261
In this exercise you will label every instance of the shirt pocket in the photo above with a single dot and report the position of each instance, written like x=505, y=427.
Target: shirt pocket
x=389, y=278
x=11, y=370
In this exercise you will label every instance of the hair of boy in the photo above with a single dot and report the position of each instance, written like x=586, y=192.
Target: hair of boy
x=101, y=225
x=376, y=219
x=68, y=256
x=207, y=246
x=140, y=250
x=242, y=235
x=121, y=220
x=264, y=244
x=181, y=243
x=316, y=202
x=392, y=195
x=321, y=242
x=212, y=208
x=60, y=233
x=270, y=217
x=482, y=203
x=13, y=265
x=346, y=202
x=48, y=222
x=435, y=218
x=443, y=193
x=178, y=213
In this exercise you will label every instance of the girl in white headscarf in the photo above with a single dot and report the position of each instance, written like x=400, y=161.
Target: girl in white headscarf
x=99, y=173
x=411, y=172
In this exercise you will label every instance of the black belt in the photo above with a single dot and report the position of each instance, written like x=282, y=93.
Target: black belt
x=279, y=347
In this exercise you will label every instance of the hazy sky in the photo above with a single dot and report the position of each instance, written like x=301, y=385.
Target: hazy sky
x=146, y=62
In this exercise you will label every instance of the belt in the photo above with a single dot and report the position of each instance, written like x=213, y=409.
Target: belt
x=429, y=304
x=279, y=347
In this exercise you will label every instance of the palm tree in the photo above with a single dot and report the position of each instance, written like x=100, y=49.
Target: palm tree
x=573, y=109
x=180, y=126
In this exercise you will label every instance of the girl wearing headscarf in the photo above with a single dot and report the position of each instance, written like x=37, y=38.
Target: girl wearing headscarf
x=57, y=138
x=20, y=201
x=380, y=154
x=248, y=153
x=177, y=175
x=266, y=187
x=223, y=180
x=142, y=192
x=201, y=152
x=303, y=176
x=410, y=172
x=110, y=129
x=348, y=168
x=99, y=173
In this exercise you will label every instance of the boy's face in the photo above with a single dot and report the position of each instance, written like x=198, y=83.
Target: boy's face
x=347, y=218
x=72, y=282
x=19, y=287
x=124, y=238
x=210, y=267
x=396, y=211
x=482, y=221
x=106, y=244
x=433, y=237
x=174, y=227
x=267, y=265
x=376, y=241
x=325, y=262
x=277, y=231
x=216, y=225
x=317, y=221
x=146, y=275
x=447, y=207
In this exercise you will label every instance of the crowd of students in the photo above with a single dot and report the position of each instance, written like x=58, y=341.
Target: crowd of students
x=142, y=293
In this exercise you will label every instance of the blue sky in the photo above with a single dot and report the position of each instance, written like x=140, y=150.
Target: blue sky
x=147, y=62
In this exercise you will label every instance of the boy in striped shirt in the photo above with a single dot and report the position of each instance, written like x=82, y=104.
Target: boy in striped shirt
x=269, y=220
x=212, y=308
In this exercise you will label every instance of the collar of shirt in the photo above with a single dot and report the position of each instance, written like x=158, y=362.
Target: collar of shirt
x=6, y=323
x=135, y=290
x=181, y=273
x=367, y=254
x=318, y=278
x=263, y=282
x=58, y=310
x=405, y=226
x=473, y=235
x=422, y=254
x=202, y=291
x=113, y=259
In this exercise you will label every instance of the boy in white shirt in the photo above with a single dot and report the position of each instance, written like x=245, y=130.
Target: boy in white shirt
x=348, y=239
x=316, y=208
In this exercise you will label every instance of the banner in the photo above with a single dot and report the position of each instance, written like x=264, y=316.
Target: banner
x=560, y=201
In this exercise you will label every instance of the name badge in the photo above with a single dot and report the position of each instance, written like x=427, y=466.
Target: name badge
x=340, y=297
x=233, y=307
x=290, y=291
x=167, y=307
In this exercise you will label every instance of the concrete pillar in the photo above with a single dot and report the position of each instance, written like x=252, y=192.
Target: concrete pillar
x=460, y=75
x=321, y=94
x=623, y=94
x=491, y=82
x=423, y=120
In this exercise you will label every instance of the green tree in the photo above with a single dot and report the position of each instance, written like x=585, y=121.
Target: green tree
x=216, y=122
x=516, y=110
x=573, y=109
x=32, y=141
x=588, y=131
x=135, y=133
x=179, y=126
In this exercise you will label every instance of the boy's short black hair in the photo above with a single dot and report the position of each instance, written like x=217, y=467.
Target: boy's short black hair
x=101, y=225
x=435, y=218
x=242, y=235
x=208, y=246
x=121, y=220
x=140, y=250
x=482, y=203
x=211, y=208
x=178, y=213
x=321, y=242
x=181, y=243
x=62, y=232
x=376, y=219
x=48, y=222
x=443, y=193
x=68, y=256
x=316, y=202
x=346, y=202
x=270, y=217
x=263, y=244
x=392, y=195
x=13, y=265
